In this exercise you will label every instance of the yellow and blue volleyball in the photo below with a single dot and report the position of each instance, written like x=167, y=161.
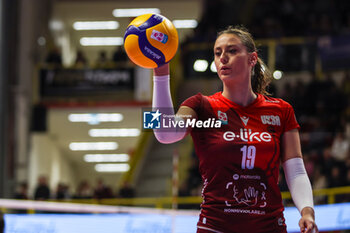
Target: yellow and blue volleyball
x=151, y=40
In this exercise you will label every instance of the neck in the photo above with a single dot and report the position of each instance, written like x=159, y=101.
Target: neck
x=239, y=95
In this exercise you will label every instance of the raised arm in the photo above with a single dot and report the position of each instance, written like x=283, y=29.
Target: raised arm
x=298, y=181
x=162, y=101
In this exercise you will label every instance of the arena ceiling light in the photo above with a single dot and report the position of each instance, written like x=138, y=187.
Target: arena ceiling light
x=200, y=65
x=123, y=132
x=134, y=12
x=101, y=41
x=95, y=118
x=95, y=25
x=213, y=67
x=277, y=74
x=85, y=146
x=185, y=23
x=99, y=158
x=56, y=25
x=112, y=167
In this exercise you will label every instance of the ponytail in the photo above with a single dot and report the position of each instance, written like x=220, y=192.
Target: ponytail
x=261, y=78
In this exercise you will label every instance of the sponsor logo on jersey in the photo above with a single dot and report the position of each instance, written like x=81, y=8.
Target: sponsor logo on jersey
x=270, y=120
x=223, y=117
x=246, y=177
x=250, y=177
x=159, y=36
x=244, y=120
x=247, y=135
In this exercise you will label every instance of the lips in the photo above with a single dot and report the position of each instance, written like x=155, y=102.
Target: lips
x=225, y=70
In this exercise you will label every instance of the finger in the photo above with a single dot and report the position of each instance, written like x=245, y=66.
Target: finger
x=302, y=226
x=309, y=228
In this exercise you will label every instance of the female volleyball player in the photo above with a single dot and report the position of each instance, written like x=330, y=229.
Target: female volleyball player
x=239, y=161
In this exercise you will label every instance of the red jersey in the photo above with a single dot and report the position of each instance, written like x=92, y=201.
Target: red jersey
x=239, y=163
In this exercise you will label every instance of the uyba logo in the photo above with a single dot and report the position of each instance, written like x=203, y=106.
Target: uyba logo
x=159, y=36
x=270, y=120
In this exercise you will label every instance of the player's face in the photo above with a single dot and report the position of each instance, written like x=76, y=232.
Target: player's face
x=232, y=60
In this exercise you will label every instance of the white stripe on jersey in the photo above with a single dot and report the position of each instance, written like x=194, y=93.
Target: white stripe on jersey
x=206, y=228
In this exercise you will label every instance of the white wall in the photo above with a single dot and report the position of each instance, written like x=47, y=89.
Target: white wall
x=46, y=159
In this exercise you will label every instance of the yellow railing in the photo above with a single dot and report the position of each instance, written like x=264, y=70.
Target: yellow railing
x=167, y=202
x=330, y=193
x=163, y=202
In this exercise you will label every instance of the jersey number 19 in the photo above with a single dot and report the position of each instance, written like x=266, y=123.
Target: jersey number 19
x=248, y=157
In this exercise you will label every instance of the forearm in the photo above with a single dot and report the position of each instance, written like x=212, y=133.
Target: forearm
x=162, y=101
x=298, y=183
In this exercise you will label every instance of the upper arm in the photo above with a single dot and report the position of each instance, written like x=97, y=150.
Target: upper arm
x=290, y=147
x=186, y=112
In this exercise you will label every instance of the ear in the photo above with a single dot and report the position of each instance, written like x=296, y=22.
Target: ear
x=253, y=58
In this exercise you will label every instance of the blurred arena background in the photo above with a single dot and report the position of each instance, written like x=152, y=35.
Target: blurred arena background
x=71, y=107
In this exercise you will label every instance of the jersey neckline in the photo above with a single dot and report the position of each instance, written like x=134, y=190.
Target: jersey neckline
x=230, y=102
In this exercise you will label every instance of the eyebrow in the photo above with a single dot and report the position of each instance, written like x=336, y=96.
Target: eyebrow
x=232, y=45
x=228, y=46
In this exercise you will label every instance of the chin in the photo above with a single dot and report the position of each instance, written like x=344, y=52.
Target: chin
x=226, y=77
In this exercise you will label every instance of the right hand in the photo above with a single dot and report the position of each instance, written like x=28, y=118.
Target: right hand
x=307, y=222
x=162, y=70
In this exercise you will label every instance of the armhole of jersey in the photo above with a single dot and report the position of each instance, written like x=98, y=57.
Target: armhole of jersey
x=287, y=125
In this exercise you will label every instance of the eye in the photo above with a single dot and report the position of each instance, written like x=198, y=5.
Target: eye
x=217, y=53
x=233, y=51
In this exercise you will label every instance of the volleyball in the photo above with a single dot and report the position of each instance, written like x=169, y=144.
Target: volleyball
x=151, y=40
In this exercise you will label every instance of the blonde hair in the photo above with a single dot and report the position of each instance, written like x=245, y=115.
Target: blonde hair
x=261, y=76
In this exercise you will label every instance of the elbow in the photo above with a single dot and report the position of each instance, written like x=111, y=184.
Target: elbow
x=167, y=138
x=163, y=139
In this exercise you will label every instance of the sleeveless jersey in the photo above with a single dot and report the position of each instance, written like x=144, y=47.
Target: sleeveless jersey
x=239, y=163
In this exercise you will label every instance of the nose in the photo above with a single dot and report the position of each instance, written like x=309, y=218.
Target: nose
x=223, y=58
